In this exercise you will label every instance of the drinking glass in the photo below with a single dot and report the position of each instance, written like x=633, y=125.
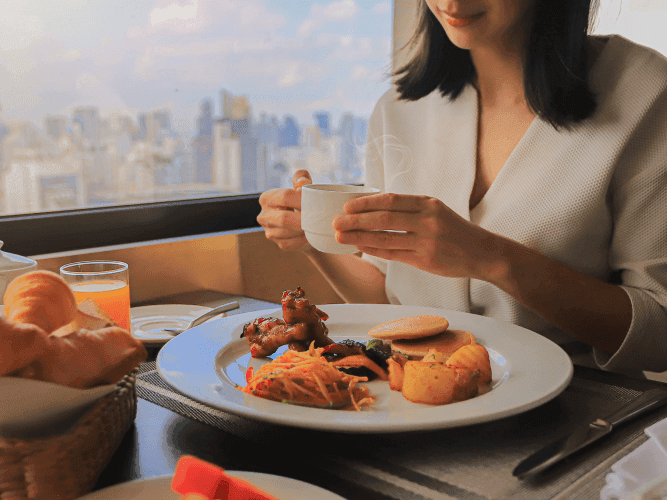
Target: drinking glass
x=106, y=282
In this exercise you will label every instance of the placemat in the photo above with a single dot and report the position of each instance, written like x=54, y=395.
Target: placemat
x=467, y=463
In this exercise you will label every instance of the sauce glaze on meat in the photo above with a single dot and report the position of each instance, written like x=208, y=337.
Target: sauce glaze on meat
x=301, y=324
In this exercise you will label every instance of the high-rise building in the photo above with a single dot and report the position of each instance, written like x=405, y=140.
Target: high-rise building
x=289, y=134
x=227, y=173
x=205, y=119
x=322, y=121
x=202, y=144
x=55, y=126
x=89, y=118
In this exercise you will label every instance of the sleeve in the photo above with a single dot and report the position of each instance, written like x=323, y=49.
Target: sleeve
x=374, y=166
x=639, y=255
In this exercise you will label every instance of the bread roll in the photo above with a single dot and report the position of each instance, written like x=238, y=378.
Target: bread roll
x=20, y=345
x=40, y=298
x=85, y=359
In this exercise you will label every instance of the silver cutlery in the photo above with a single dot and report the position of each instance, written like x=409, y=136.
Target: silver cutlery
x=204, y=317
x=588, y=433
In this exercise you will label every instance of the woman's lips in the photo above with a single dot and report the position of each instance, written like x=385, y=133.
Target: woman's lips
x=459, y=21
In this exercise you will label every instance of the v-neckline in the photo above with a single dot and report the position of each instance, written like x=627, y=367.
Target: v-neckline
x=505, y=165
x=533, y=124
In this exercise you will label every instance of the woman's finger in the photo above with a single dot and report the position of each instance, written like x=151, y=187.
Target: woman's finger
x=290, y=244
x=384, y=253
x=387, y=201
x=301, y=178
x=280, y=218
x=281, y=233
x=388, y=240
x=379, y=220
x=281, y=198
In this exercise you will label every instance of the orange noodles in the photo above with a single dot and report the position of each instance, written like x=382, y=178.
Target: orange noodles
x=306, y=378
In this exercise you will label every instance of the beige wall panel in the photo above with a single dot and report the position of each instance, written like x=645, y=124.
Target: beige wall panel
x=169, y=268
x=267, y=271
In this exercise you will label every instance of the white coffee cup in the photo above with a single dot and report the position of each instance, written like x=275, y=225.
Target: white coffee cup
x=320, y=205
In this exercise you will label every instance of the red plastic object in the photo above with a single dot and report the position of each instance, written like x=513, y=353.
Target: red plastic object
x=197, y=476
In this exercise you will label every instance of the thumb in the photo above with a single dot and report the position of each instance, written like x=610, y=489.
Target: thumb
x=300, y=178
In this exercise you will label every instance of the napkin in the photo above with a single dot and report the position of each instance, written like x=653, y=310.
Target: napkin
x=32, y=409
x=642, y=473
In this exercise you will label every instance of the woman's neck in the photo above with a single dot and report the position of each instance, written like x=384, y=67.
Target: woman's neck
x=499, y=77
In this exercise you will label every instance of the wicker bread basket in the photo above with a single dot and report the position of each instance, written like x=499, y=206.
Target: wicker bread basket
x=67, y=466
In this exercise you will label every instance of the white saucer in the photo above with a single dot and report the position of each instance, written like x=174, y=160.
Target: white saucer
x=159, y=488
x=148, y=321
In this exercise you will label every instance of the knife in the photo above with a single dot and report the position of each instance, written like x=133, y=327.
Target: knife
x=588, y=433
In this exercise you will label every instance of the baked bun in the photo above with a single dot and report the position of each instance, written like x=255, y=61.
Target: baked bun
x=40, y=298
x=85, y=359
x=447, y=342
x=412, y=327
x=20, y=345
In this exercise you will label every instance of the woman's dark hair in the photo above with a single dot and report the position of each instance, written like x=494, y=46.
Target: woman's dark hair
x=555, y=62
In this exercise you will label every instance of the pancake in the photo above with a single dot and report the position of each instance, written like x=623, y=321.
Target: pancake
x=412, y=327
x=447, y=342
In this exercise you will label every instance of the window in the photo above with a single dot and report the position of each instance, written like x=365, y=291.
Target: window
x=127, y=105
x=133, y=120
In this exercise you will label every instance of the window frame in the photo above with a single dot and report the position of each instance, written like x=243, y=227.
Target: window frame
x=78, y=229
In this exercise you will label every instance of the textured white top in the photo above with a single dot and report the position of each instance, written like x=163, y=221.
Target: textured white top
x=594, y=198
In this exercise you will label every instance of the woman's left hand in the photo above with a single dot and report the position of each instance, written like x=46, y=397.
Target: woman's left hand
x=432, y=237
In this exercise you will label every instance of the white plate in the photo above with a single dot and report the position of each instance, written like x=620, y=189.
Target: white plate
x=206, y=362
x=148, y=321
x=159, y=488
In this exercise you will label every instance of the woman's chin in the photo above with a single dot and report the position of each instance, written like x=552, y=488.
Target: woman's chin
x=465, y=41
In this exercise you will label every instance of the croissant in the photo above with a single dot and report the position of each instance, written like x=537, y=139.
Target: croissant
x=40, y=298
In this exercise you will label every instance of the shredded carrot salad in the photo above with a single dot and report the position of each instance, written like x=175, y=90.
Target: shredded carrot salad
x=308, y=378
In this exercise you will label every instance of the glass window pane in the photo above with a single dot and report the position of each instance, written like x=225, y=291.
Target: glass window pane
x=117, y=102
x=642, y=21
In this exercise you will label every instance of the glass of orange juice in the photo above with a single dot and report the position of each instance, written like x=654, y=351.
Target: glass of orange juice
x=106, y=282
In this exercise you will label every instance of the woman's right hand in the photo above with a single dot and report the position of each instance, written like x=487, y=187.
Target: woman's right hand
x=281, y=214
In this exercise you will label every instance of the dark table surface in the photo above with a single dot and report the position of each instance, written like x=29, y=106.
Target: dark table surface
x=159, y=437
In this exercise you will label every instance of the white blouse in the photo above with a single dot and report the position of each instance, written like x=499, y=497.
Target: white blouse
x=593, y=198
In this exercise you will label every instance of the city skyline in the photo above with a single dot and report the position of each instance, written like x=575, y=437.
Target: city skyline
x=85, y=160
x=128, y=57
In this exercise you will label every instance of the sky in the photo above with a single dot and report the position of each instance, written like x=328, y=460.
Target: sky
x=287, y=56
x=291, y=57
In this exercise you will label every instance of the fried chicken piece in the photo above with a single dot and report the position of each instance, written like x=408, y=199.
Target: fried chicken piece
x=298, y=309
x=302, y=324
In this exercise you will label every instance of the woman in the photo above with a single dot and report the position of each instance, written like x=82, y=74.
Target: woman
x=523, y=166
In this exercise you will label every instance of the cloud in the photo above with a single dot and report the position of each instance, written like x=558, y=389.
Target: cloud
x=341, y=10
x=199, y=16
x=176, y=17
x=91, y=90
x=70, y=55
x=19, y=32
x=352, y=48
x=290, y=76
x=360, y=72
x=382, y=8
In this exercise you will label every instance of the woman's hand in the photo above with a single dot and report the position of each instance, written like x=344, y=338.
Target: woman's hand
x=432, y=237
x=281, y=217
